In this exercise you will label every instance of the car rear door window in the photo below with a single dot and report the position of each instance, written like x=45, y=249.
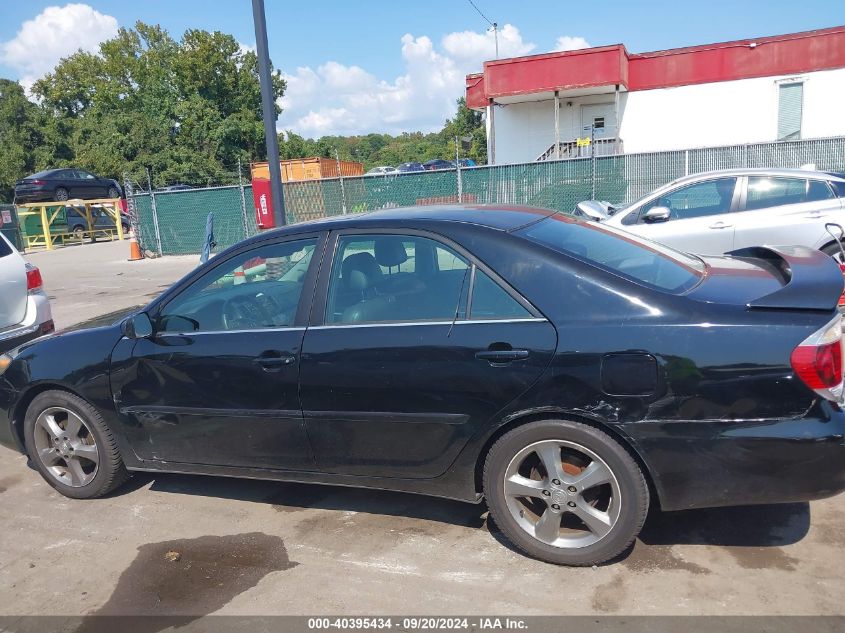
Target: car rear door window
x=395, y=278
x=766, y=191
x=818, y=190
x=700, y=199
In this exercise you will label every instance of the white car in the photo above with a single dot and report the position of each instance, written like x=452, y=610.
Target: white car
x=24, y=307
x=719, y=211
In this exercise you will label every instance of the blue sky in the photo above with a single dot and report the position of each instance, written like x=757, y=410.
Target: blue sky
x=356, y=67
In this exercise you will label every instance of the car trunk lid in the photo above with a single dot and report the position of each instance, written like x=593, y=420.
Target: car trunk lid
x=772, y=277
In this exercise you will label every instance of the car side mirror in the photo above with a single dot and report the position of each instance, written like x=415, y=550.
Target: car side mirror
x=657, y=214
x=138, y=326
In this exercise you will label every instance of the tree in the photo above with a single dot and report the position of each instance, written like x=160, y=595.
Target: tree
x=383, y=149
x=187, y=110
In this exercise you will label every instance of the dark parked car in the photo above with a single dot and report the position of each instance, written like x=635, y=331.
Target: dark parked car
x=570, y=373
x=404, y=167
x=65, y=184
x=438, y=163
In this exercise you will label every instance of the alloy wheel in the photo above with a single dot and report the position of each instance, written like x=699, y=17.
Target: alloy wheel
x=66, y=447
x=562, y=494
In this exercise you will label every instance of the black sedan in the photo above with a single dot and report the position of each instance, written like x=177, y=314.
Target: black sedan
x=569, y=373
x=65, y=184
x=438, y=163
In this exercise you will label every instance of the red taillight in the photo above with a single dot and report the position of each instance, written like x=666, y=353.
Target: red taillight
x=33, y=278
x=34, y=182
x=817, y=361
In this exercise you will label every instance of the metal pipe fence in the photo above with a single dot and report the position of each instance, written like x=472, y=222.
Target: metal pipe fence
x=173, y=222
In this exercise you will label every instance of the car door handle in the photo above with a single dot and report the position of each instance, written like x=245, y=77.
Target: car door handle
x=502, y=356
x=720, y=225
x=274, y=361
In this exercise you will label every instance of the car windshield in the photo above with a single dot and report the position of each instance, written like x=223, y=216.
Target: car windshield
x=619, y=252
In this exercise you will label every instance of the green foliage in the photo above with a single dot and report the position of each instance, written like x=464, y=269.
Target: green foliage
x=188, y=110
x=383, y=149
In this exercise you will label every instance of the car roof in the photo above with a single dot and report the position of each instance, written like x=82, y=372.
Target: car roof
x=500, y=217
x=760, y=171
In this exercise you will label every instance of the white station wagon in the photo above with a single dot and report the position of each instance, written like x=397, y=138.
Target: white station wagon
x=714, y=212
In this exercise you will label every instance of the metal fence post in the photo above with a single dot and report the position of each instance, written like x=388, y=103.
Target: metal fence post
x=342, y=188
x=243, y=200
x=155, y=214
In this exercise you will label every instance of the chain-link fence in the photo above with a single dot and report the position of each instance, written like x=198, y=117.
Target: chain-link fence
x=174, y=222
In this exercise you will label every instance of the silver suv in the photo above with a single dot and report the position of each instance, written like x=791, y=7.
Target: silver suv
x=715, y=212
x=24, y=306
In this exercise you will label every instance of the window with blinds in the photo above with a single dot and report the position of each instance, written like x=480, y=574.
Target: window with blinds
x=790, y=100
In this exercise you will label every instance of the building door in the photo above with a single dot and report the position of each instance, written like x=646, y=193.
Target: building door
x=598, y=119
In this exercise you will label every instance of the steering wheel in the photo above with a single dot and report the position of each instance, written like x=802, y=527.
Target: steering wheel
x=244, y=312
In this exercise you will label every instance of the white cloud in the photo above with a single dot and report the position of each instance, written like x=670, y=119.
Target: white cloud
x=339, y=99
x=472, y=46
x=571, y=43
x=55, y=33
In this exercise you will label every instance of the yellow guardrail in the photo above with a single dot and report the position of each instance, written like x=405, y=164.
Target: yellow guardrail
x=49, y=211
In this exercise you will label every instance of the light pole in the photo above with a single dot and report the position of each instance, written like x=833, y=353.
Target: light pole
x=269, y=109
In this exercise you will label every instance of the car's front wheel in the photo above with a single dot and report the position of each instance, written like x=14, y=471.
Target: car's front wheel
x=565, y=492
x=71, y=446
x=113, y=192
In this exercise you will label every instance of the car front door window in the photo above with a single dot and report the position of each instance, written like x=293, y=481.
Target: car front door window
x=258, y=289
x=701, y=199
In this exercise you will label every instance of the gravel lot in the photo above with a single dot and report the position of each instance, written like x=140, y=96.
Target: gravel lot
x=169, y=544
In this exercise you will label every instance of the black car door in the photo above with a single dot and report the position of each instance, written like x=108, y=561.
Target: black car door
x=413, y=347
x=217, y=382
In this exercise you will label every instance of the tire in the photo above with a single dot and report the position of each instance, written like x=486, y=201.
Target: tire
x=833, y=251
x=92, y=447
x=616, y=508
x=113, y=192
x=78, y=232
x=61, y=193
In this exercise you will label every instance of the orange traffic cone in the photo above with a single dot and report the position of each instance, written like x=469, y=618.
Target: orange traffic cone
x=134, y=249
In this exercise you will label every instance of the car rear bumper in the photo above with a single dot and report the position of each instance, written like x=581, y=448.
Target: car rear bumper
x=701, y=464
x=37, y=322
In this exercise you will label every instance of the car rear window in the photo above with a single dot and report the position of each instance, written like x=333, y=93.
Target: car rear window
x=619, y=252
x=5, y=247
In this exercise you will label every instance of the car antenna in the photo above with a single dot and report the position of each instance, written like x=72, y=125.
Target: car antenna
x=458, y=306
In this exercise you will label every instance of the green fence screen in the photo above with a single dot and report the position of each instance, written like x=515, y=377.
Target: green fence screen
x=171, y=223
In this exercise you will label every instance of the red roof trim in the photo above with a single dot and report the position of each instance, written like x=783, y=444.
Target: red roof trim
x=807, y=51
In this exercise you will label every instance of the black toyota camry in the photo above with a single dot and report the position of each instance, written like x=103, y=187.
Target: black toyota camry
x=568, y=373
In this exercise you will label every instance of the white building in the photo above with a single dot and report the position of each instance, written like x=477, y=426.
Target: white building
x=758, y=90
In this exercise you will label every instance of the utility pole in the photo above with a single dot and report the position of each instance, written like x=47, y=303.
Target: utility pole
x=269, y=108
x=496, y=37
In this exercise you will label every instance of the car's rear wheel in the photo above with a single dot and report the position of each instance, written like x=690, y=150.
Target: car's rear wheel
x=61, y=193
x=79, y=232
x=71, y=446
x=113, y=192
x=565, y=492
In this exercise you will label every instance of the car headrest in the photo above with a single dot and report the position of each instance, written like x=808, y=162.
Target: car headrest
x=360, y=271
x=390, y=251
